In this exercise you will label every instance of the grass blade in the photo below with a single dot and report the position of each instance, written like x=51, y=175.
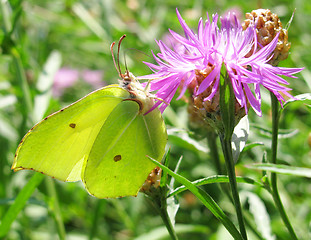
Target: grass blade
x=283, y=169
x=215, y=179
x=19, y=203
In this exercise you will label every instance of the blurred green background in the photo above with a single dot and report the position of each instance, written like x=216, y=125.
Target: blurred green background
x=75, y=36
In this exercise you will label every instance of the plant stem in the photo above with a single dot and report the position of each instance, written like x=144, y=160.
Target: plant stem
x=21, y=76
x=274, y=144
x=158, y=201
x=168, y=223
x=95, y=222
x=227, y=150
x=56, y=208
x=211, y=140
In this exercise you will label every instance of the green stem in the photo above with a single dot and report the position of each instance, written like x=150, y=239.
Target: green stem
x=95, y=222
x=5, y=17
x=227, y=150
x=21, y=76
x=159, y=202
x=275, y=193
x=125, y=218
x=211, y=140
x=168, y=224
x=55, y=207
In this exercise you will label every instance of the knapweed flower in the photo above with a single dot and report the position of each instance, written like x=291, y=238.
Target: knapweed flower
x=93, y=77
x=207, y=52
x=68, y=77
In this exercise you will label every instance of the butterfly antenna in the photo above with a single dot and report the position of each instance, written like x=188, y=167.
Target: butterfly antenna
x=118, y=55
x=114, y=60
x=126, y=69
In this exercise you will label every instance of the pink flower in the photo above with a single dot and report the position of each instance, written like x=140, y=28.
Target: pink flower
x=211, y=48
x=93, y=77
x=64, y=78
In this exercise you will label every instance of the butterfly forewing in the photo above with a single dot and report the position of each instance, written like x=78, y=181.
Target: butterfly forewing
x=58, y=144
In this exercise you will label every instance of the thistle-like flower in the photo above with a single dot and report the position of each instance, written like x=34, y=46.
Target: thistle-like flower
x=199, y=62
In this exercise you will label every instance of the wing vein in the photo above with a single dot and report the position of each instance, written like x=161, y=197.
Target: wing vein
x=149, y=135
x=112, y=145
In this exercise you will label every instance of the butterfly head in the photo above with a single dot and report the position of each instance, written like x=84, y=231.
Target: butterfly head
x=129, y=82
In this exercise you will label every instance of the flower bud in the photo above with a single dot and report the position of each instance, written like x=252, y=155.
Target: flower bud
x=268, y=25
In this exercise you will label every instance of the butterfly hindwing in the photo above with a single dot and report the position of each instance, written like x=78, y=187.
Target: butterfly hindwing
x=118, y=164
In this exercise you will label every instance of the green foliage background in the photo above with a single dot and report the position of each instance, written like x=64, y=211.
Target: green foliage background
x=82, y=31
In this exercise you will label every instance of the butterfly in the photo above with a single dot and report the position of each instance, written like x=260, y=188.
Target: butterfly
x=104, y=139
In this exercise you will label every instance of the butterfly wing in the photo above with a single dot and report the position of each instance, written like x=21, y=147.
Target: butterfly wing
x=118, y=165
x=57, y=146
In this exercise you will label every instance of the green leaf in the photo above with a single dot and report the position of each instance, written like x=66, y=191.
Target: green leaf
x=19, y=203
x=215, y=179
x=282, y=169
x=283, y=133
x=206, y=199
x=91, y=23
x=302, y=98
x=172, y=208
x=261, y=216
x=252, y=145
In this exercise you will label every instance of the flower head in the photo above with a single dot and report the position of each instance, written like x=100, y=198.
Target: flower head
x=206, y=52
x=68, y=77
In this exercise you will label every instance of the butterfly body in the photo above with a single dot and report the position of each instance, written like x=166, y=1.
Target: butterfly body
x=102, y=139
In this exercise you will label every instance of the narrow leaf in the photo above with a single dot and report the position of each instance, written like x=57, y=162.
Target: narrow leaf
x=261, y=216
x=282, y=133
x=303, y=98
x=172, y=208
x=215, y=179
x=282, y=169
x=206, y=199
x=252, y=145
x=19, y=203
x=90, y=22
